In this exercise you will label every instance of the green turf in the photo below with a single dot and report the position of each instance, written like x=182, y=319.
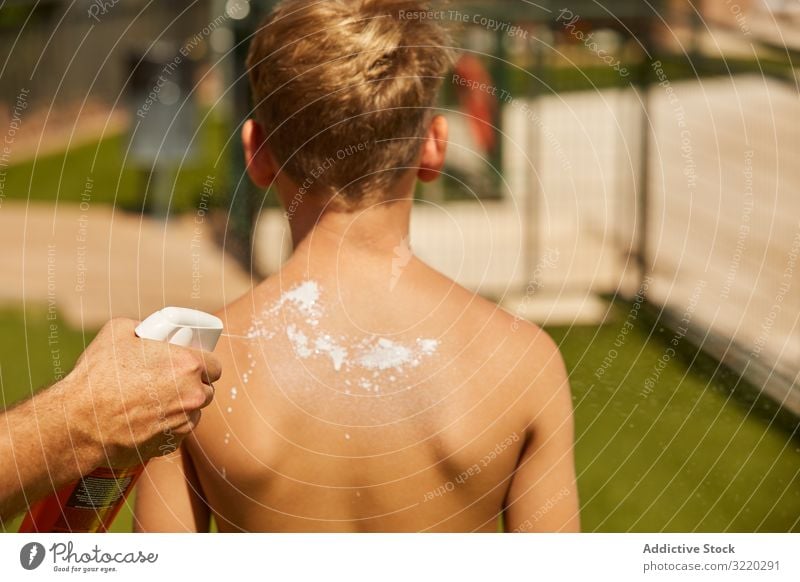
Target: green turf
x=687, y=457
x=63, y=176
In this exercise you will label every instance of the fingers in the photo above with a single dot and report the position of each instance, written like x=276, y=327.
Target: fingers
x=209, y=392
x=192, y=373
x=191, y=421
x=121, y=327
x=165, y=388
x=207, y=363
x=212, y=370
x=194, y=419
x=184, y=362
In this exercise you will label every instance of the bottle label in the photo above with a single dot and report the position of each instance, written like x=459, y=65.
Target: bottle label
x=100, y=490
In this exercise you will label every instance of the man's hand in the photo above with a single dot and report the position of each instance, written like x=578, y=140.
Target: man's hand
x=127, y=400
x=137, y=399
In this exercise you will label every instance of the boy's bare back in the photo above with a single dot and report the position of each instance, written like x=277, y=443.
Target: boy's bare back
x=363, y=397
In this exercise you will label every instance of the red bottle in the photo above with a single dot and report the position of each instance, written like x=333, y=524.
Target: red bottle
x=91, y=504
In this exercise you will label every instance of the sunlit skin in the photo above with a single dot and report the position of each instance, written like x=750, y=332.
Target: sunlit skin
x=479, y=430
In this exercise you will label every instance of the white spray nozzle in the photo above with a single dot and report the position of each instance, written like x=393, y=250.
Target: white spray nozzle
x=182, y=327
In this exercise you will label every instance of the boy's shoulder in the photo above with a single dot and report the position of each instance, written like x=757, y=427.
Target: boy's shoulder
x=496, y=322
x=524, y=346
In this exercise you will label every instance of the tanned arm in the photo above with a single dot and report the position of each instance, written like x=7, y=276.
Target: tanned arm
x=42, y=448
x=169, y=497
x=543, y=496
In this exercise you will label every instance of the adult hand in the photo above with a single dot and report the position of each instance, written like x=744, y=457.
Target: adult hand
x=136, y=399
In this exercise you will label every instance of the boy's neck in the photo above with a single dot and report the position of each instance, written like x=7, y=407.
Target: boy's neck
x=378, y=229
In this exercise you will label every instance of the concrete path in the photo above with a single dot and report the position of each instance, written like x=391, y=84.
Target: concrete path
x=92, y=264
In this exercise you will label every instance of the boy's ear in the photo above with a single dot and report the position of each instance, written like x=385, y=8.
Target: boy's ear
x=433, y=150
x=260, y=164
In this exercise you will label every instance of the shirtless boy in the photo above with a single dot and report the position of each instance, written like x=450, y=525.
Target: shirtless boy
x=363, y=391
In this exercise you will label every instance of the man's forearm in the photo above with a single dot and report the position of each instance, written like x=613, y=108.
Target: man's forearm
x=40, y=450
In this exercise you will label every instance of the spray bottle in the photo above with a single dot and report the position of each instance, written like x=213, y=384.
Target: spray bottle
x=91, y=504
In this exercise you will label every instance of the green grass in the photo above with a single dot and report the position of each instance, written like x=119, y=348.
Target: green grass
x=63, y=176
x=25, y=355
x=697, y=453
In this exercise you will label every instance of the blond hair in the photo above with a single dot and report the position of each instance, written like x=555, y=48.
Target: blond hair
x=345, y=90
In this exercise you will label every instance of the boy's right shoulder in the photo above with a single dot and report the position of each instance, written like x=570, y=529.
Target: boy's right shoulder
x=534, y=363
x=523, y=335
x=493, y=324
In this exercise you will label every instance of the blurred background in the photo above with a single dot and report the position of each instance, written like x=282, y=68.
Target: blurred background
x=631, y=182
